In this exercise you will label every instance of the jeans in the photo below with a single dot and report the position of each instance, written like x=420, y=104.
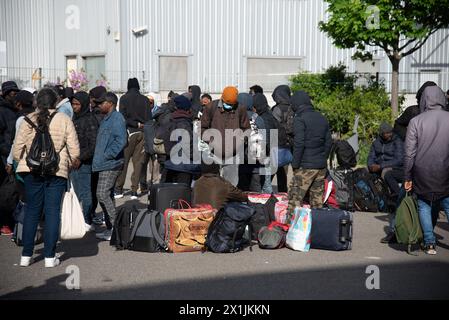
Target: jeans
x=82, y=183
x=265, y=179
x=43, y=194
x=428, y=215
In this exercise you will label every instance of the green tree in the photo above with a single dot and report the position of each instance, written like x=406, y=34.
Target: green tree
x=399, y=27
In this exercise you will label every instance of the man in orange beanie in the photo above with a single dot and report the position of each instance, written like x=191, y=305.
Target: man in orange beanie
x=226, y=114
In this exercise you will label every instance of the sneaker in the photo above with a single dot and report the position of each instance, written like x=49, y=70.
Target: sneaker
x=52, y=262
x=90, y=227
x=99, y=221
x=390, y=238
x=118, y=195
x=26, y=261
x=6, y=231
x=134, y=196
x=105, y=235
x=430, y=249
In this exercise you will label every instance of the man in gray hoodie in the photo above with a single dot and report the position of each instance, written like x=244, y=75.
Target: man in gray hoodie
x=427, y=161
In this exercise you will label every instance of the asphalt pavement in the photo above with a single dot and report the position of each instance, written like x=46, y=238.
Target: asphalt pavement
x=105, y=273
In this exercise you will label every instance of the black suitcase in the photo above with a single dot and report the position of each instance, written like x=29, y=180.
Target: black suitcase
x=331, y=229
x=166, y=195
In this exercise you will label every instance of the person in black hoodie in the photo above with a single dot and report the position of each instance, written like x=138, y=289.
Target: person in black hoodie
x=283, y=111
x=401, y=124
x=133, y=107
x=86, y=126
x=197, y=106
x=312, y=145
x=181, y=119
x=8, y=118
x=269, y=123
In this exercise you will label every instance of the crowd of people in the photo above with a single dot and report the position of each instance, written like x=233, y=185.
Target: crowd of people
x=96, y=135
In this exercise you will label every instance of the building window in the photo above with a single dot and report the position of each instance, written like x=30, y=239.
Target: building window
x=95, y=68
x=271, y=72
x=173, y=73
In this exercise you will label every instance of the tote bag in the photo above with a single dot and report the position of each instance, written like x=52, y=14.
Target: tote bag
x=72, y=218
x=298, y=236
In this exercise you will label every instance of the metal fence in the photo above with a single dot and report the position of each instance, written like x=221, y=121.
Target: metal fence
x=116, y=81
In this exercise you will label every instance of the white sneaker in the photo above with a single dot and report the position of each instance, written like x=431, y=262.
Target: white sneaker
x=106, y=235
x=52, y=262
x=90, y=228
x=26, y=261
x=118, y=196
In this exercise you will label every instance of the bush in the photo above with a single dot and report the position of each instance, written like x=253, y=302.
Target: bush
x=335, y=94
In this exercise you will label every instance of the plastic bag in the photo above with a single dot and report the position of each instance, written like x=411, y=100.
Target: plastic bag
x=298, y=237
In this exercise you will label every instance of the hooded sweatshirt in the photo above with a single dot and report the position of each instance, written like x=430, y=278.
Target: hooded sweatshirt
x=312, y=136
x=86, y=126
x=387, y=154
x=282, y=109
x=197, y=106
x=426, y=159
x=134, y=107
x=269, y=121
x=401, y=124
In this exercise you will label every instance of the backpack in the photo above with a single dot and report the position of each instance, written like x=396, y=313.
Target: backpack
x=407, y=226
x=149, y=131
x=345, y=154
x=42, y=158
x=343, y=181
x=370, y=192
x=225, y=234
x=264, y=215
x=273, y=236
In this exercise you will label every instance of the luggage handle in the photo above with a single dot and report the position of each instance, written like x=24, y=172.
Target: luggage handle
x=137, y=223
x=180, y=202
x=345, y=231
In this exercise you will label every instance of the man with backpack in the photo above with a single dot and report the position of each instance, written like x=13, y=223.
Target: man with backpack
x=283, y=111
x=311, y=149
x=426, y=162
x=109, y=157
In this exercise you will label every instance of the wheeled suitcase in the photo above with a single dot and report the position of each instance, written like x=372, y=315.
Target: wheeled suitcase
x=167, y=195
x=331, y=229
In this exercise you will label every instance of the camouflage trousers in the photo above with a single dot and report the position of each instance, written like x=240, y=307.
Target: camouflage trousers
x=306, y=181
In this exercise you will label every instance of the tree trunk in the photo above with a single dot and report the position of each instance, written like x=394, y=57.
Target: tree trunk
x=395, y=85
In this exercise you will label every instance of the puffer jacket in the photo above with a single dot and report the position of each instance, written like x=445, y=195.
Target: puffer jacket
x=426, y=161
x=387, y=154
x=312, y=136
x=64, y=137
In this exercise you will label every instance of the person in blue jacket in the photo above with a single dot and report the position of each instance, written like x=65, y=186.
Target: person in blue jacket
x=109, y=157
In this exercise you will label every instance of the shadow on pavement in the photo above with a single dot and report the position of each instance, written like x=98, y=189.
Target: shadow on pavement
x=423, y=280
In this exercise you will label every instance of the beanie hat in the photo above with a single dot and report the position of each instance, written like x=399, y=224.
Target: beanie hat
x=230, y=95
x=183, y=103
x=385, y=128
x=9, y=86
x=133, y=84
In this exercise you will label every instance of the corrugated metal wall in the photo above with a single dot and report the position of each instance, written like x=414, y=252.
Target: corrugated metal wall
x=217, y=36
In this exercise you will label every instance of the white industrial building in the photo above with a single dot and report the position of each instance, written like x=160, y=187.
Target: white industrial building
x=170, y=44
